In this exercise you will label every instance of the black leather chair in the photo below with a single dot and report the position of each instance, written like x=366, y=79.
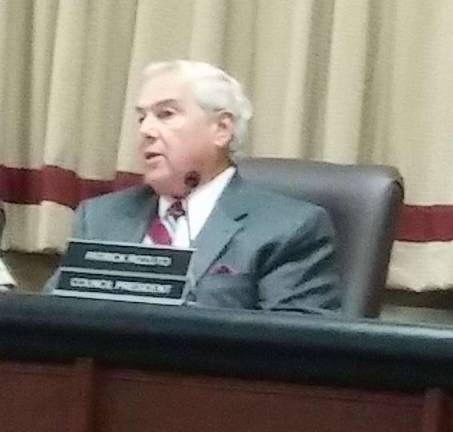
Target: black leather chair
x=363, y=202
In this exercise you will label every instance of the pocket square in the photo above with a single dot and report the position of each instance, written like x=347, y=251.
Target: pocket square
x=222, y=269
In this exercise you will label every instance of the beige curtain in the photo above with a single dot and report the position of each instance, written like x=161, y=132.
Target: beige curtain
x=348, y=81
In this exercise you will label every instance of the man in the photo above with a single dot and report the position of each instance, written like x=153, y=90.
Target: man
x=254, y=249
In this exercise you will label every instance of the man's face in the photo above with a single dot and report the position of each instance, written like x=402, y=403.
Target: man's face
x=177, y=136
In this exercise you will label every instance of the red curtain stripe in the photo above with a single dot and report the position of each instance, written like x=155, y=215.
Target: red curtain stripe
x=425, y=223
x=32, y=186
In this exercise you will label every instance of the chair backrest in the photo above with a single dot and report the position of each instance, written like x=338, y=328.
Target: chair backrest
x=363, y=202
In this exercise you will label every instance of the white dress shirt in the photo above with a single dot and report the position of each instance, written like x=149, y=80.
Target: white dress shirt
x=198, y=206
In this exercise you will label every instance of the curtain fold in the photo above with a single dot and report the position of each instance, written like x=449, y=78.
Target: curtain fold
x=346, y=81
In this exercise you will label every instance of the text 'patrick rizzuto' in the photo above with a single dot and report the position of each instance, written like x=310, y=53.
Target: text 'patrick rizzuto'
x=120, y=258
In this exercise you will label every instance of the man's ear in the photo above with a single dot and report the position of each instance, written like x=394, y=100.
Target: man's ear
x=224, y=128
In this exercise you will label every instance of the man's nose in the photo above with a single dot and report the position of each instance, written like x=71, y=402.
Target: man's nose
x=149, y=127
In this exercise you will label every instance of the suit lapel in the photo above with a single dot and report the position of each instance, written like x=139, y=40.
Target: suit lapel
x=135, y=216
x=222, y=224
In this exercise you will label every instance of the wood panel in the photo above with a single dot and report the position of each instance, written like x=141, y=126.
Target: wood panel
x=82, y=398
x=34, y=397
x=178, y=403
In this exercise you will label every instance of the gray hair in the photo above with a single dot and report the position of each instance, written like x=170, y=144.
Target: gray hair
x=214, y=90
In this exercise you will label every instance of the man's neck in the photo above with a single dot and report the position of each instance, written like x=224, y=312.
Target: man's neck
x=215, y=172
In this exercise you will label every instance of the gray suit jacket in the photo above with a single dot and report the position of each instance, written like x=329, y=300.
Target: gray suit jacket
x=279, y=252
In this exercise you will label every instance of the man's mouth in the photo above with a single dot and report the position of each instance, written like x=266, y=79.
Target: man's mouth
x=149, y=155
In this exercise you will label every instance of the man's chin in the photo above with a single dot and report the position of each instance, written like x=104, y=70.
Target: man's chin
x=164, y=185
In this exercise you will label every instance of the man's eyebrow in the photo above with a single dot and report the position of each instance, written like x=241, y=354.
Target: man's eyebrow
x=141, y=108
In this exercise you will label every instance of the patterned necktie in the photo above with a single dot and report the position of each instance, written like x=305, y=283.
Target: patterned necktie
x=158, y=232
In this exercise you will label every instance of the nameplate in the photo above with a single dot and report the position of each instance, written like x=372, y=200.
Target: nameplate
x=123, y=271
x=127, y=257
x=124, y=286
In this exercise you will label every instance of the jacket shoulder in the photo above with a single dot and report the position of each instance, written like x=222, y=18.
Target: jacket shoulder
x=266, y=198
x=121, y=197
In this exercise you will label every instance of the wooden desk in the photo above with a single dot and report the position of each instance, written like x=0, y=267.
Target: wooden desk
x=78, y=365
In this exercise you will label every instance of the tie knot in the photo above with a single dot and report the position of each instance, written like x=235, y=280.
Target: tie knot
x=176, y=210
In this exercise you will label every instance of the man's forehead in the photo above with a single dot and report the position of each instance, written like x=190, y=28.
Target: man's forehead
x=144, y=104
x=168, y=88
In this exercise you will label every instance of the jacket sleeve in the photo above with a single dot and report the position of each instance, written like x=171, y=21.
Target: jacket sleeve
x=78, y=231
x=301, y=273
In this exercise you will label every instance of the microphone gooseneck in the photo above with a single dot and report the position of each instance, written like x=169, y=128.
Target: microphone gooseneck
x=191, y=181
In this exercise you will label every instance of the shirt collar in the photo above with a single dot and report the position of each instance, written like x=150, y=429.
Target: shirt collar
x=203, y=198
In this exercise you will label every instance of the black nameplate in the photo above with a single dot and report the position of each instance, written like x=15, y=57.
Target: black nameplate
x=127, y=257
x=120, y=286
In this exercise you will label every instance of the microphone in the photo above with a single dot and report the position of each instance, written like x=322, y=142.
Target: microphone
x=191, y=181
